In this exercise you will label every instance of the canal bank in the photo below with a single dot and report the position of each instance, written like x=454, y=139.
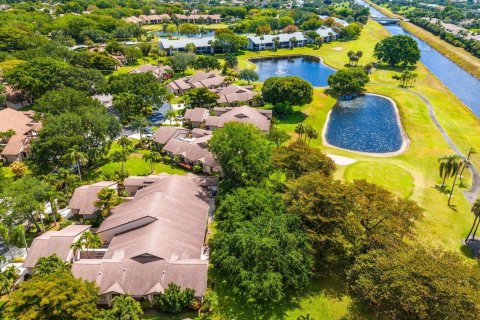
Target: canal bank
x=461, y=57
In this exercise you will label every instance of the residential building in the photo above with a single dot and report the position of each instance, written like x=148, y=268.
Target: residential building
x=202, y=45
x=201, y=79
x=190, y=147
x=149, y=242
x=155, y=18
x=53, y=242
x=328, y=34
x=160, y=72
x=17, y=99
x=24, y=127
x=285, y=40
x=84, y=198
x=155, y=239
x=199, y=18
x=196, y=117
x=234, y=96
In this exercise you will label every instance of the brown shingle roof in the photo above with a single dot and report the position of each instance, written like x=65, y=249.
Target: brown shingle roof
x=20, y=122
x=53, y=242
x=165, y=133
x=84, y=197
x=196, y=114
x=240, y=114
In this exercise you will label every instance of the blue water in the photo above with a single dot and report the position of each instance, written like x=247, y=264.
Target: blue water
x=308, y=68
x=465, y=86
x=367, y=123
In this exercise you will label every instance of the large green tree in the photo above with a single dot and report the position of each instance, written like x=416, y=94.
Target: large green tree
x=348, y=81
x=201, y=97
x=416, y=283
x=252, y=242
x=55, y=296
x=51, y=265
x=244, y=154
x=344, y=220
x=290, y=90
x=207, y=63
x=398, y=49
x=298, y=159
x=40, y=75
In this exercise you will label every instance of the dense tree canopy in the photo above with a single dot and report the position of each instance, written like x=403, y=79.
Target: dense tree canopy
x=344, y=220
x=87, y=127
x=243, y=152
x=252, y=242
x=398, y=49
x=40, y=75
x=200, y=97
x=58, y=296
x=291, y=90
x=416, y=283
x=298, y=159
x=348, y=81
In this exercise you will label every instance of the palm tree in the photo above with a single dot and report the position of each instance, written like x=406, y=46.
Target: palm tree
x=466, y=161
x=12, y=274
x=40, y=210
x=151, y=158
x=292, y=42
x=76, y=247
x=455, y=168
x=125, y=143
x=170, y=114
x=5, y=234
x=476, y=221
x=107, y=200
x=125, y=307
x=18, y=235
x=312, y=134
x=300, y=129
x=120, y=156
x=139, y=123
x=76, y=157
x=276, y=42
x=90, y=241
x=350, y=55
x=261, y=40
x=447, y=167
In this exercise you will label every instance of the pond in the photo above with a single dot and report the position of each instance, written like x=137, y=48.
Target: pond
x=309, y=68
x=368, y=123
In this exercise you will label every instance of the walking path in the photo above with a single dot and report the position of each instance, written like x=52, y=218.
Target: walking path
x=474, y=191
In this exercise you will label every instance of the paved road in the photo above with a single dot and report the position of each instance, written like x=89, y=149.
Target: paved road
x=474, y=191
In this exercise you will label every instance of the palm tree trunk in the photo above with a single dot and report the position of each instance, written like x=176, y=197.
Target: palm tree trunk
x=471, y=229
x=25, y=240
x=461, y=172
x=453, y=187
x=444, y=178
x=79, y=172
x=475, y=232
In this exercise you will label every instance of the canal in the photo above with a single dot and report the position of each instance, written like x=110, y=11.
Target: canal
x=465, y=86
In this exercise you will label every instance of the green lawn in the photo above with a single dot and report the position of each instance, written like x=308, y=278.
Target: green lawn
x=389, y=176
x=135, y=165
x=413, y=174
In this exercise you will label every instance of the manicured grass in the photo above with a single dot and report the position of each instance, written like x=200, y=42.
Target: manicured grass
x=323, y=299
x=135, y=165
x=389, y=176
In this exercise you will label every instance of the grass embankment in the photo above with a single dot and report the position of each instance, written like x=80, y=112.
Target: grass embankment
x=413, y=174
x=460, y=56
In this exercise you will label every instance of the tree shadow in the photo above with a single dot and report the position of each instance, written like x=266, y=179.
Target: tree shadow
x=296, y=117
x=234, y=306
x=386, y=67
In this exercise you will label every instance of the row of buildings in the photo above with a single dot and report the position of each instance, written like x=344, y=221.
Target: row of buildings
x=265, y=42
x=154, y=238
x=183, y=18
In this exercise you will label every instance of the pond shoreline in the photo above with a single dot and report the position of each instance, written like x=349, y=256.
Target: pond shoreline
x=403, y=134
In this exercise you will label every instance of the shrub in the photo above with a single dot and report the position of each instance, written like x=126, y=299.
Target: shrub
x=65, y=223
x=174, y=299
x=197, y=168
